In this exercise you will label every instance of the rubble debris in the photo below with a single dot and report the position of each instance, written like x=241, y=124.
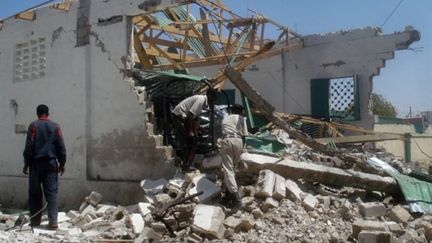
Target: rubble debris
x=359, y=225
x=208, y=220
x=269, y=203
x=399, y=214
x=279, y=191
x=201, y=183
x=94, y=198
x=310, y=202
x=374, y=237
x=372, y=209
x=136, y=222
x=153, y=187
x=266, y=181
x=293, y=192
x=323, y=174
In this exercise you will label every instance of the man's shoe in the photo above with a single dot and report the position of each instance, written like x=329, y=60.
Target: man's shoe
x=53, y=226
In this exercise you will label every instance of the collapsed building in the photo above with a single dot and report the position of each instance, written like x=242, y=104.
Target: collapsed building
x=75, y=56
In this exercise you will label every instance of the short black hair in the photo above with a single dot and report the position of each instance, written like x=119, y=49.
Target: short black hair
x=42, y=110
x=236, y=109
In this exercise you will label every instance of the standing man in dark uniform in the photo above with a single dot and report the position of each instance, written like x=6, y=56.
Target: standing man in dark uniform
x=45, y=156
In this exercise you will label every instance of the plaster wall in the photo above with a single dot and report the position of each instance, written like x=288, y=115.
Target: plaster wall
x=109, y=147
x=284, y=80
x=421, y=144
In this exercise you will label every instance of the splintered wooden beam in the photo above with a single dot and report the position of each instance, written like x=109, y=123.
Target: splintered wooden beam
x=64, y=6
x=29, y=15
x=142, y=55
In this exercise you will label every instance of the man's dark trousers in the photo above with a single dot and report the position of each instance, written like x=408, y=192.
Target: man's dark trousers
x=43, y=174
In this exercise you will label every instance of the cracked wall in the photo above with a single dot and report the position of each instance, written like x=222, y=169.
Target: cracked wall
x=109, y=146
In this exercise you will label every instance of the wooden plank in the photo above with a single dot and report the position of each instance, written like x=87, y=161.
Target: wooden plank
x=142, y=55
x=361, y=138
x=206, y=35
x=64, y=6
x=29, y=15
x=1, y=25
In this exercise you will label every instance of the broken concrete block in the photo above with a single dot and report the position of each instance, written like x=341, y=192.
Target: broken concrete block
x=136, y=222
x=94, y=198
x=101, y=209
x=148, y=235
x=208, y=220
x=233, y=223
x=293, y=192
x=88, y=209
x=266, y=181
x=395, y=228
x=159, y=227
x=203, y=184
x=246, y=201
x=324, y=200
x=115, y=213
x=83, y=206
x=346, y=209
x=268, y=204
x=194, y=238
x=372, y=209
x=153, y=187
x=374, y=237
x=81, y=220
x=368, y=225
x=400, y=214
x=279, y=190
x=97, y=224
x=72, y=214
x=212, y=162
x=310, y=202
x=145, y=208
x=427, y=229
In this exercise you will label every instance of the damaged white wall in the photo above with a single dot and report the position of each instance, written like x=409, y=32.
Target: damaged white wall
x=285, y=80
x=104, y=128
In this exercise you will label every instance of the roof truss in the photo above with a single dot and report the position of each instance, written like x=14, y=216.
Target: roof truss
x=176, y=38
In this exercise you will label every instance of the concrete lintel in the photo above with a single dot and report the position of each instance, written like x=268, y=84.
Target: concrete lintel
x=324, y=174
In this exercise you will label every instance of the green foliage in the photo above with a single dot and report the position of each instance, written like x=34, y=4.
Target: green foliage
x=381, y=107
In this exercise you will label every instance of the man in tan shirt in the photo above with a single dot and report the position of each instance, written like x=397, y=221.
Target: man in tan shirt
x=186, y=123
x=233, y=130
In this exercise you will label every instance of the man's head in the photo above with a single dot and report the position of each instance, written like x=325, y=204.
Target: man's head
x=42, y=110
x=236, y=109
x=211, y=96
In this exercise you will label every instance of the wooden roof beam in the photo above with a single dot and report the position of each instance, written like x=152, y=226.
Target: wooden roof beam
x=29, y=15
x=64, y=6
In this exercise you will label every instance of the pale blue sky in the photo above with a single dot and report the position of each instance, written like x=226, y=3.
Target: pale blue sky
x=405, y=81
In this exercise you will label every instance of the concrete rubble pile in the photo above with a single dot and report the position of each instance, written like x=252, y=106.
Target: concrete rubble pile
x=276, y=207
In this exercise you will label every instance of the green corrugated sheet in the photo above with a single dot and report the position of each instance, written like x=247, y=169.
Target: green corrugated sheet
x=417, y=193
x=264, y=143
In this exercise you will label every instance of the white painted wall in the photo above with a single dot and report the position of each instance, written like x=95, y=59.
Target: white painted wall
x=108, y=147
x=362, y=52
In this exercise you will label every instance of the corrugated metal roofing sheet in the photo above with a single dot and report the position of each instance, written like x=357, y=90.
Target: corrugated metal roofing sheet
x=417, y=193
